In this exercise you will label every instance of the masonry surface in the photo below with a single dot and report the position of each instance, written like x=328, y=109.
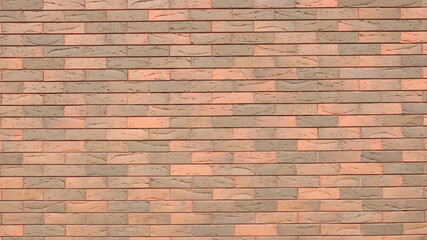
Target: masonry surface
x=213, y=120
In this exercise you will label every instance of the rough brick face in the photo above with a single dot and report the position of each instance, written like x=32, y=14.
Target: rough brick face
x=213, y=119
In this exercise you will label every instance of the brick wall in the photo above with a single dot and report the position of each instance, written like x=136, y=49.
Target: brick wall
x=213, y=120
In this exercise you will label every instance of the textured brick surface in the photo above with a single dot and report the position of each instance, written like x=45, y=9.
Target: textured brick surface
x=213, y=119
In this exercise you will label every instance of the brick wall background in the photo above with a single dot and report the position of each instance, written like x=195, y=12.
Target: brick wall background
x=213, y=119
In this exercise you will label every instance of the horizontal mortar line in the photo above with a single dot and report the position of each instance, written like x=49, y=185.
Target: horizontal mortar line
x=219, y=200
x=230, y=151
x=209, y=55
x=222, y=212
x=193, y=33
x=215, y=116
x=224, y=104
x=228, y=188
x=179, y=128
x=228, y=56
x=238, y=19
x=208, y=44
x=215, y=32
x=225, y=150
x=206, y=139
x=235, y=67
x=239, y=68
x=260, y=92
x=217, y=8
x=222, y=44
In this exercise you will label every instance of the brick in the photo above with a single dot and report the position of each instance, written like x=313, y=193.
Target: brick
x=34, y=182
x=55, y=4
x=82, y=206
x=85, y=182
x=326, y=193
x=41, y=16
x=128, y=206
x=103, y=170
x=149, y=218
x=44, y=230
x=149, y=194
x=333, y=229
x=79, y=230
x=22, y=218
x=26, y=5
x=203, y=182
x=44, y=206
x=256, y=230
x=22, y=194
x=299, y=229
x=68, y=194
x=360, y=193
x=381, y=229
x=76, y=16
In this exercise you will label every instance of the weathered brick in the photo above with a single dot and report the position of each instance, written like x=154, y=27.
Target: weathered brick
x=381, y=229
x=22, y=5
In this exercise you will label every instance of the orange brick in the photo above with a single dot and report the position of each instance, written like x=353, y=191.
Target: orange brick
x=22, y=123
x=64, y=123
x=361, y=168
x=359, y=121
x=403, y=192
x=11, y=182
x=127, y=38
x=64, y=218
x=233, y=194
x=226, y=74
x=340, y=229
x=22, y=28
x=170, y=206
x=86, y=206
x=11, y=63
x=211, y=157
x=165, y=38
x=22, y=194
x=192, y=170
x=148, y=122
x=318, y=193
x=341, y=205
x=64, y=146
x=22, y=99
x=317, y=3
x=175, y=15
x=414, y=156
x=86, y=63
x=143, y=75
x=256, y=230
x=415, y=228
x=85, y=182
x=255, y=157
x=12, y=230
x=190, y=218
x=83, y=39
x=233, y=98
x=413, y=36
x=414, y=84
x=318, y=169
x=149, y=194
